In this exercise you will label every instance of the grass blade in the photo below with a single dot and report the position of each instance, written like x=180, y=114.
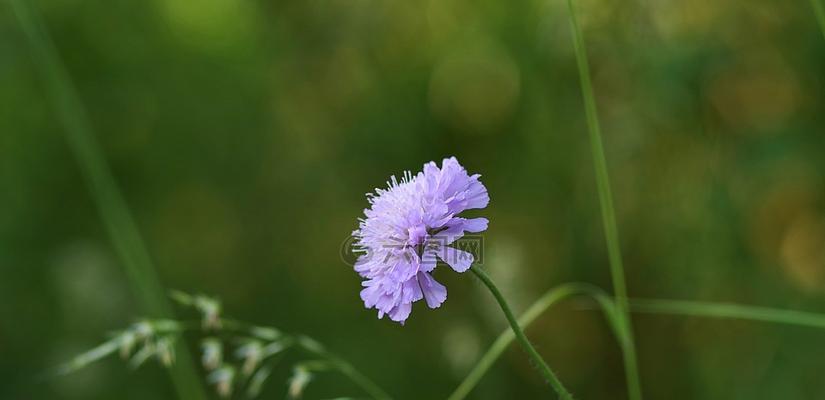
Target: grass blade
x=611, y=232
x=114, y=213
x=728, y=311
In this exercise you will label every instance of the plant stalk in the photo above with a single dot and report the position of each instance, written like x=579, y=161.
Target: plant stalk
x=541, y=305
x=522, y=339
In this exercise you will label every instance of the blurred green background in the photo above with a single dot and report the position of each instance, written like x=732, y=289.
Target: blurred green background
x=244, y=135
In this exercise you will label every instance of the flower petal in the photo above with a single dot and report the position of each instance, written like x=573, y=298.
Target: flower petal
x=429, y=259
x=476, y=194
x=459, y=260
x=434, y=292
x=475, y=225
x=401, y=312
x=457, y=226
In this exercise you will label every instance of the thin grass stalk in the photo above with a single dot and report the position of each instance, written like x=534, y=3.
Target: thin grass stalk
x=111, y=206
x=608, y=213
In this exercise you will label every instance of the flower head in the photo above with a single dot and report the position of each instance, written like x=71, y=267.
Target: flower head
x=408, y=227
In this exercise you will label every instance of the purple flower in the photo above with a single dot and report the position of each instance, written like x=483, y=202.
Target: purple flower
x=408, y=228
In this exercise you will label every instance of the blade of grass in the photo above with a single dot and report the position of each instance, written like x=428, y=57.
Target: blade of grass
x=541, y=305
x=608, y=214
x=819, y=13
x=114, y=213
x=728, y=311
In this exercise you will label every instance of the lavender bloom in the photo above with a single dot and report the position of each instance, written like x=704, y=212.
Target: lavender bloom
x=408, y=228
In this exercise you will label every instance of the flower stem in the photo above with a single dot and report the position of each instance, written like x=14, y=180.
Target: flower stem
x=522, y=339
x=611, y=232
x=541, y=305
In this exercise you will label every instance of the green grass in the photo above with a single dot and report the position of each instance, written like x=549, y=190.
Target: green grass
x=114, y=212
x=617, y=310
x=652, y=306
x=611, y=232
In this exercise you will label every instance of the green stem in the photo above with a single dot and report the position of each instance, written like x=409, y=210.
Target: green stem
x=519, y=334
x=608, y=213
x=819, y=13
x=115, y=214
x=541, y=305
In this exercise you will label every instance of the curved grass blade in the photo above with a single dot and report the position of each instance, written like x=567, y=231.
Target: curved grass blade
x=728, y=311
x=541, y=305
